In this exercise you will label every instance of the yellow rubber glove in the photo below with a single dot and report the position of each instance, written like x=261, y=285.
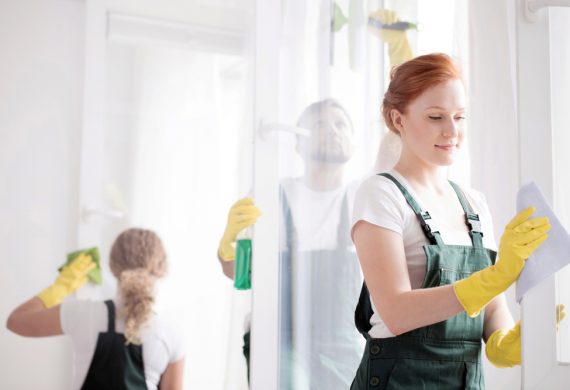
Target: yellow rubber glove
x=560, y=314
x=522, y=236
x=71, y=277
x=242, y=214
x=399, y=49
x=503, y=348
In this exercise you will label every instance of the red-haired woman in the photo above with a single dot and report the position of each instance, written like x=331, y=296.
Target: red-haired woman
x=120, y=343
x=432, y=288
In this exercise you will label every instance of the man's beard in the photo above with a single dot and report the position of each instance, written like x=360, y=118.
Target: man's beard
x=330, y=157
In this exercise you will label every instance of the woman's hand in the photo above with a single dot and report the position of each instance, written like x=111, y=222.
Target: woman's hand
x=521, y=238
x=71, y=278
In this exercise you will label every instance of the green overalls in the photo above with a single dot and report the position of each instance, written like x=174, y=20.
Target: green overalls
x=115, y=365
x=445, y=355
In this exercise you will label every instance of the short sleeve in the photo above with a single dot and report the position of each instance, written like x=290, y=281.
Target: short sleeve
x=178, y=346
x=79, y=317
x=171, y=340
x=379, y=202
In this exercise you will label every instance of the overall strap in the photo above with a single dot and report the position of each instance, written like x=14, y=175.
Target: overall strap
x=111, y=316
x=363, y=312
x=290, y=231
x=471, y=219
x=432, y=234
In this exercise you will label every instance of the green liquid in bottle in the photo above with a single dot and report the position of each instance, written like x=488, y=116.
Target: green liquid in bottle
x=242, y=270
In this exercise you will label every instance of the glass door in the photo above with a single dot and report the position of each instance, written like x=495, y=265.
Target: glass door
x=320, y=75
x=166, y=145
x=544, y=82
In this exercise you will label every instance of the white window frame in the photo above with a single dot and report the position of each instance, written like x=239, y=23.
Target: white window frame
x=540, y=366
x=265, y=269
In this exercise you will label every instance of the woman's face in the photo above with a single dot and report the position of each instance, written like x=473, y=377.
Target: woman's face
x=432, y=129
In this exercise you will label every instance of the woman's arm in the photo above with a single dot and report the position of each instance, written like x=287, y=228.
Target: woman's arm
x=172, y=378
x=39, y=316
x=502, y=339
x=227, y=267
x=497, y=316
x=382, y=257
x=33, y=319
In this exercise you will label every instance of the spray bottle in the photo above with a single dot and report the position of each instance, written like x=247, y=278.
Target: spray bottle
x=242, y=270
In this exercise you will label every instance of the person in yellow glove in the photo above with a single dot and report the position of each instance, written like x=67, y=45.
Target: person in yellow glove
x=433, y=283
x=386, y=24
x=108, y=337
x=319, y=274
x=242, y=214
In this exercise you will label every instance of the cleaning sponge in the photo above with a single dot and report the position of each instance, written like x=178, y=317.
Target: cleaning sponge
x=94, y=275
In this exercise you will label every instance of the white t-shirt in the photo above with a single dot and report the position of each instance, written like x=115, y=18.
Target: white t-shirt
x=83, y=320
x=316, y=214
x=379, y=202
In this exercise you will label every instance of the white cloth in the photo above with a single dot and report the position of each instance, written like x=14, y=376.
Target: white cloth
x=83, y=320
x=379, y=202
x=550, y=257
x=316, y=214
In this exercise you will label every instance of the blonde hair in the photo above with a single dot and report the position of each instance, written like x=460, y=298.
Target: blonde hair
x=137, y=260
x=388, y=152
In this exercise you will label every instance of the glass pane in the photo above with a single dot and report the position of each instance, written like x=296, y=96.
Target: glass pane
x=332, y=105
x=178, y=121
x=442, y=26
x=560, y=67
x=332, y=85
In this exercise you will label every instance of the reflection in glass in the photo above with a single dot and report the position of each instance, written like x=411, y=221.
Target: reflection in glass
x=320, y=277
x=175, y=120
x=320, y=274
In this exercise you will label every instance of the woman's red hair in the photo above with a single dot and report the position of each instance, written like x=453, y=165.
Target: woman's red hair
x=410, y=79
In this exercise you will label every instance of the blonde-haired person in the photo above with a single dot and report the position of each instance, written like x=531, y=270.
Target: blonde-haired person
x=119, y=343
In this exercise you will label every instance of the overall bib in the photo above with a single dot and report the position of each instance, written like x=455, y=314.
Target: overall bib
x=441, y=356
x=318, y=291
x=115, y=366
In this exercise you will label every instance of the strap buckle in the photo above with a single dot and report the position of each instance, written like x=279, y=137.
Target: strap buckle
x=428, y=229
x=474, y=223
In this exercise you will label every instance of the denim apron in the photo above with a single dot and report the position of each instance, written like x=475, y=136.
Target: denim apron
x=445, y=355
x=317, y=295
x=115, y=365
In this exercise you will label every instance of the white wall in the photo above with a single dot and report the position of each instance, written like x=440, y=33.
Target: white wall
x=40, y=108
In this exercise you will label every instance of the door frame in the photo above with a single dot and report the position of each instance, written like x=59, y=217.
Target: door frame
x=540, y=366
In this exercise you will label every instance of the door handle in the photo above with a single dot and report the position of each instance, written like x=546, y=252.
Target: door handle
x=266, y=128
x=531, y=7
x=88, y=213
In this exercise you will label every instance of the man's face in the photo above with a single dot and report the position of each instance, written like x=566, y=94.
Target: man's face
x=330, y=137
